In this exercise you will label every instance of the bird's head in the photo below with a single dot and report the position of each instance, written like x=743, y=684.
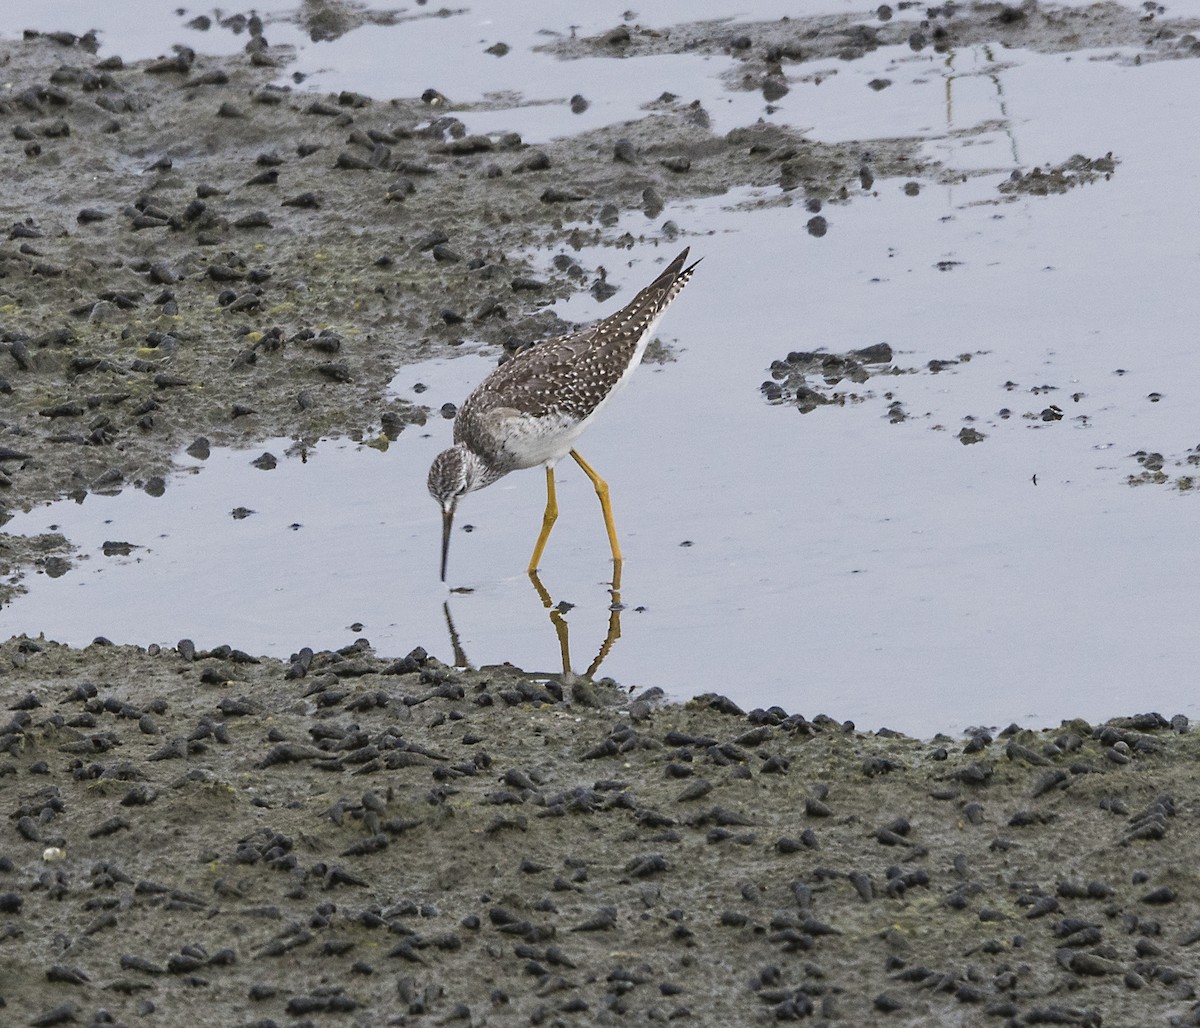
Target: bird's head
x=452, y=474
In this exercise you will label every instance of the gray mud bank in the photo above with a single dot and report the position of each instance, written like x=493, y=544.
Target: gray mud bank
x=213, y=839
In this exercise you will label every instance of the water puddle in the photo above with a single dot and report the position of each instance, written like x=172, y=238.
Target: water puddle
x=449, y=49
x=952, y=544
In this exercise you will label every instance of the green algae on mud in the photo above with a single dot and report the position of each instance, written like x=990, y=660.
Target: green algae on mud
x=227, y=838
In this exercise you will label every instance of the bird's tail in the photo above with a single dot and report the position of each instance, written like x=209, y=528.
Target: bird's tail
x=669, y=284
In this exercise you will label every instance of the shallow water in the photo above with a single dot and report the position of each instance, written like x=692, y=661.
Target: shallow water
x=831, y=561
x=529, y=90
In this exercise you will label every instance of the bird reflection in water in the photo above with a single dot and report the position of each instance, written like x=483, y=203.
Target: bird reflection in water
x=557, y=614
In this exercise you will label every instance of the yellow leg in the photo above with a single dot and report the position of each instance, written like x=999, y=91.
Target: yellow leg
x=605, y=506
x=548, y=520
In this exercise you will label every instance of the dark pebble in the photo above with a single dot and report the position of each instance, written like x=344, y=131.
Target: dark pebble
x=162, y=273
x=245, y=302
x=58, y=1015
x=774, y=88
x=536, y=161
x=62, y=410
x=256, y=219
x=352, y=162
x=887, y=1003
x=66, y=975
x=337, y=371
x=554, y=194
x=306, y=201
x=1092, y=964
x=430, y=240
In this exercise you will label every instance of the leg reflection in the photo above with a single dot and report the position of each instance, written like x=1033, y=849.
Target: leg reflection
x=614, y=620
x=556, y=619
x=562, y=630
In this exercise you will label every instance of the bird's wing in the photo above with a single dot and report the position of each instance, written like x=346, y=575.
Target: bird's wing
x=568, y=375
x=541, y=381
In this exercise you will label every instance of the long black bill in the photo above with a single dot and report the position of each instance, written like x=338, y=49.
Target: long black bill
x=447, y=520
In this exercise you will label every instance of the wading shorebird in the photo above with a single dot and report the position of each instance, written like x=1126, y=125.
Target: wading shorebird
x=532, y=408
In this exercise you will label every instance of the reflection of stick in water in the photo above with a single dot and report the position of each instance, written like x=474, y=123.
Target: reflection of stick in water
x=993, y=74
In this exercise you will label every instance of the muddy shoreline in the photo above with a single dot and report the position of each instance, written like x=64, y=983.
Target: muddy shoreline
x=196, y=252
x=240, y=840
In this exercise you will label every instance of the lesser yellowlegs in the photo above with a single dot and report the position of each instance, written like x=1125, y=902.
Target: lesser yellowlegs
x=531, y=409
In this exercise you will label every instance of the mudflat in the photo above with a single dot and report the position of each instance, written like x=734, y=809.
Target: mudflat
x=198, y=255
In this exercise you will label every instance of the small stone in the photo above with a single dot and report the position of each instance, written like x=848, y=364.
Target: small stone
x=623, y=151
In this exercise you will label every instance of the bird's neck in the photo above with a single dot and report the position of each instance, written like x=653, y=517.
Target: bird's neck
x=479, y=472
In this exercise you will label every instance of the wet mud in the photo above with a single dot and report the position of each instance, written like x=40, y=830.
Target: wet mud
x=766, y=50
x=225, y=839
x=1179, y=471
x=811, y=379
x=197, y=252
